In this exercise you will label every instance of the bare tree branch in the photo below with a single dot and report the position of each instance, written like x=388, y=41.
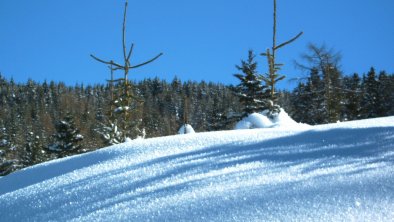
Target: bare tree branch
x=108, y=63
x=129, y=55
x=149, y=61
x=124, y=33
x=290, y=41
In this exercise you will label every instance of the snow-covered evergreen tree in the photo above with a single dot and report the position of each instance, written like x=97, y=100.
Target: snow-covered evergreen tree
x=66, y=138
x=370, y=95
x=110, y=133
x=325, y=65
x=7, y=161
x=386, y=95
x=33, y=152
x=250, y=90
x=352, y=97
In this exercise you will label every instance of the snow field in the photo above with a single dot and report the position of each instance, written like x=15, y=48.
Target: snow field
x=335, y=172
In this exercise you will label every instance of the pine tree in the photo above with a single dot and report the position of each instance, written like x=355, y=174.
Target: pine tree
x=250, y=90
x=66, y=139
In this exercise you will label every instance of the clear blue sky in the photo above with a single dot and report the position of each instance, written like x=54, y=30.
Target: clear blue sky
x=201, y=40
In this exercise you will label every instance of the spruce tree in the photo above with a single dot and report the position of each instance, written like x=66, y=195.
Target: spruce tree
x=33, y=152
x=352, y=97
x=385, y=99
x=308, y=100
x=66, y=139
x=370, y=95
x=250, y=90
x=5, y=163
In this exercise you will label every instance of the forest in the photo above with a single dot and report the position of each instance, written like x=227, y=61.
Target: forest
x=49, y=120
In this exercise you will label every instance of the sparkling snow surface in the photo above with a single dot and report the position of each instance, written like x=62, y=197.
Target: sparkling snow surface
x=335, y=172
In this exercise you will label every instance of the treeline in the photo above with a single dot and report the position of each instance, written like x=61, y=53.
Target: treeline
x=321, y=100
x=35, y=116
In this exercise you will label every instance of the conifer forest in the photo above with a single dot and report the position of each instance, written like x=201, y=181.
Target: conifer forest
x=35, y=117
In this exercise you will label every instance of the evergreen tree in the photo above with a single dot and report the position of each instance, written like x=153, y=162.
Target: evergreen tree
x=8, y=158
x=325, y=64
x=385, y=99
x=110, y=133
x=66, y=139
x=369, y=103
x=5, y=164
x=308, y=100
x=352, y=97
x=33, y=152
x=250, y=90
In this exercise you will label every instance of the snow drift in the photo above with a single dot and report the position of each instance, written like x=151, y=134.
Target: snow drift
x=186, y=129
x=336, y=172
x=261, y=120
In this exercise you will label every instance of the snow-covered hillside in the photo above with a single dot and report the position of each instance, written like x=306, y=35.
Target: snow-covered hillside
x=336, y=172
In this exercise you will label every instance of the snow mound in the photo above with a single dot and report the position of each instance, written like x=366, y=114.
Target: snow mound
x=186, y=129
x=261, y=120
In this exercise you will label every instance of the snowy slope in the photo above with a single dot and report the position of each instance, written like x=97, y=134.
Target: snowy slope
x=336, y=172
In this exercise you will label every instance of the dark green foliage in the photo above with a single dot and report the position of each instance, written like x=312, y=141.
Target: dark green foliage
x=385, y=99
x=370, y=95
x=33, y=152
x=354, y=98
x=5, y=162
x=66, y=140
x=250, y=91
x=9, y=159
x=308, y=99
x=29, y=112
x=325, y=83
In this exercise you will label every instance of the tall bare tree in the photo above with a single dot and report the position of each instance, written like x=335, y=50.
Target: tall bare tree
x=125, y=101
x=272, y=77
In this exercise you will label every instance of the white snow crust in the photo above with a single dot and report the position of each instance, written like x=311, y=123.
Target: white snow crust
x=335, y=172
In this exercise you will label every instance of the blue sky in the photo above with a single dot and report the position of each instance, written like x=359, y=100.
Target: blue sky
x=201, y=40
